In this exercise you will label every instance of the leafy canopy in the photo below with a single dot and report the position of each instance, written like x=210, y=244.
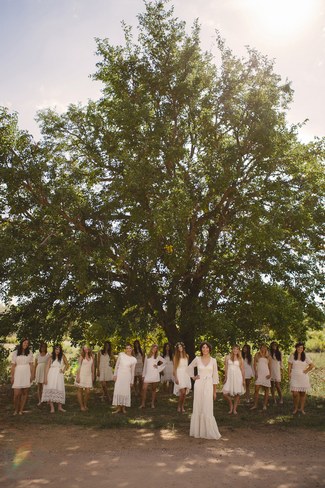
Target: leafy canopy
x=181, y=198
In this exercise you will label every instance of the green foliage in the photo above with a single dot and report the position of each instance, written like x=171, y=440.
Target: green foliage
x=181, y=199
x=316, y=341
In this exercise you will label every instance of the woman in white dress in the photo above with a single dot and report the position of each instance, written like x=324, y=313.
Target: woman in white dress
x=203, y=423
x=40, y=365
x=182, y=381
x=139, y=356
x=54, y=389
x=22, y=373
x=249, y=371
x=153, y=365
x=299, y=365
x=262, y=367
x=85, y=377
x=124, y=378
x=234, y=381
x=167, y=377
x=276, y=367
x=104, y=368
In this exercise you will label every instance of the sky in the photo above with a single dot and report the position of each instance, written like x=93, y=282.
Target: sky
x=47, y=48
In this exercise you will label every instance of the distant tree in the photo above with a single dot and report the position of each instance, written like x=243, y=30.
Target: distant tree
x=182, y=198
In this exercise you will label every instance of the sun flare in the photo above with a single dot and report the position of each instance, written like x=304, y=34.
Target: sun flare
x=283, y=19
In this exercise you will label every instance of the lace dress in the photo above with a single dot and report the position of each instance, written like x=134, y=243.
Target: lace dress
x=203, y=423
x=124, y=372
x=299, y=381
x=54, y=391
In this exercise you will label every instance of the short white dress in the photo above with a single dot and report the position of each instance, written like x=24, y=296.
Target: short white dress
x=249, y=370
x=105, y=369
x=184, y=380
x=86, y=375
x=276, y=367
x=40, y=368
x=262, y=371
x=22, y=371
x=151, y=369
x=299, y=380
x=54, y=391
x=203, y=423
x=124, y=372
x=168, y=370
x=234, y=383
x=139, y=364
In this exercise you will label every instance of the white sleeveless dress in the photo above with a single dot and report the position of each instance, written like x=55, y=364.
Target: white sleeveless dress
x=40, y=368
x=234, y=383
x=86, y=377
x=105, y=369
x=184, y=381
x=262, y=370
x=54, y=391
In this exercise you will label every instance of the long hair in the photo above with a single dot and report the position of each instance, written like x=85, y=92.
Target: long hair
x=41, y=345
x=60, y=353
x=109, y=348
x=170, y=352
x=303, y=355
x=137, y=347
x=20, y=350
x=150, y=353
x=179, y=354
x=232, y=355
x=275, y=353
x=247, y=354
x=83, y=354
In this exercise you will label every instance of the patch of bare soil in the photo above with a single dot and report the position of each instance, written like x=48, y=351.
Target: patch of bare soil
x=72, y=457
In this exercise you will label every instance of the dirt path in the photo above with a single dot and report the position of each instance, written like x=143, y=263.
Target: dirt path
x=72, y=457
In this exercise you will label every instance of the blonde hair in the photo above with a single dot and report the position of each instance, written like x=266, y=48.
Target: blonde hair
x=179, y=354
x=232, y=355
x=150, y=353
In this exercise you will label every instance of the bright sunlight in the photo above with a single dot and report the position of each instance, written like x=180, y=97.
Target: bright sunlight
x=284, y=19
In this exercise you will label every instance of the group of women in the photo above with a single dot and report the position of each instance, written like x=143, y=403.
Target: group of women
x=172, y=367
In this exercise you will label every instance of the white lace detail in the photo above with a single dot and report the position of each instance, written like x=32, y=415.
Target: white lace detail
x=54, y=396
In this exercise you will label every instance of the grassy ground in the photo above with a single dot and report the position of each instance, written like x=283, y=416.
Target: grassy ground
x=163, y=416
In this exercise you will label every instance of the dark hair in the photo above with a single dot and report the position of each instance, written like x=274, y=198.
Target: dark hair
x=170, y=352
x=247, y=355
x=206, y=343
x=41, y=345
x=275, y=352
x=60, y=353
x=137, y=347
x=20, y=350
x=109, y=349
x=303, y=355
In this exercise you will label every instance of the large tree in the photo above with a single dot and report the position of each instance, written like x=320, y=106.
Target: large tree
x=182, y=198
